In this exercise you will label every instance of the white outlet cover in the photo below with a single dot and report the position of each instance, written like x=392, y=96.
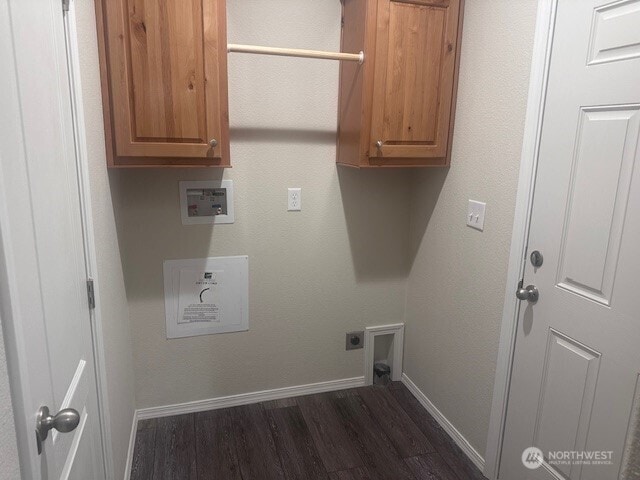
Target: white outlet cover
x=475, y=214
x=294, y=199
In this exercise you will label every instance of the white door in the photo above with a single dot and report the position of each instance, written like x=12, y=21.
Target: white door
x=575, y=389
x=44, y=293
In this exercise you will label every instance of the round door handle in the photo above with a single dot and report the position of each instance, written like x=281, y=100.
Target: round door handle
x=379, y=143
x=213, y=143
x=64, y=421
x=530, y=293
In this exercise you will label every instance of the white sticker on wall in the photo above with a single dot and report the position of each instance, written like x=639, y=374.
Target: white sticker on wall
x=199, y=297
x=205, y=296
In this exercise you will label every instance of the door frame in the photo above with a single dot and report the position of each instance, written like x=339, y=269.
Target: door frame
x=16, y=340
x=540, y=63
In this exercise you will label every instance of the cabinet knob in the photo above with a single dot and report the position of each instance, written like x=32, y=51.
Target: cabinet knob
x=213, y=143
x=379, y=143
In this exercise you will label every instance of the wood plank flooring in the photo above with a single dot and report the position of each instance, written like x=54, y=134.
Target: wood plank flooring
x=368, y=433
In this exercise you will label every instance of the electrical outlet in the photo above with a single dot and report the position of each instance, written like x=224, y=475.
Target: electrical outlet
x=475, y=214
x=295, y=200
x=354, y=340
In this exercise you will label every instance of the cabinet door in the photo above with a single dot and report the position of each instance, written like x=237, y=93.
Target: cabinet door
x=168, y=77
x=414, y=79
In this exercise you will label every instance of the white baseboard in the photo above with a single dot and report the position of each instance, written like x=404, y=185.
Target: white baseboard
x=247, y=398
x=132, y=443
x=233, y=401
x=447, y=426
x=295, y=391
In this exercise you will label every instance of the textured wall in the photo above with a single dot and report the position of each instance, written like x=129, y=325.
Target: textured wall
x=336, y=266
x=457, y=280
x=113, y=300
x=9, y=463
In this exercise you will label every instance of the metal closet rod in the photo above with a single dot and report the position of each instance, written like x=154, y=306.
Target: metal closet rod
x=295, y=52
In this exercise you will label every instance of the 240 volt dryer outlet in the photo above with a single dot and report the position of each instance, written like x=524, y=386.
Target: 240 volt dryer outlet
x=354, y=340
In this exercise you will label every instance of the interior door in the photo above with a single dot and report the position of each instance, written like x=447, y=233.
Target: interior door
x=415, y=57
x=575, y=390
x=43, y=257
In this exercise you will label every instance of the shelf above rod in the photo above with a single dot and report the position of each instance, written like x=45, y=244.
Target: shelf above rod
x=294, y=52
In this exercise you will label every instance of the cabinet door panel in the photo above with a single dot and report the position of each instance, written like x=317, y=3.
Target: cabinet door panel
x=414, y=81
x=168, y=77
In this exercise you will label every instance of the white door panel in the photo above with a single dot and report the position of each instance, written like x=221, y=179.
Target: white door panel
x=615, y=33
x=569, y=378
x=606, y=144
x=44, y=246
x=577, y=361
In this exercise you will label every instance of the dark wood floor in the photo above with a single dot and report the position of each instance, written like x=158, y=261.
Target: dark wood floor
x=365, y=433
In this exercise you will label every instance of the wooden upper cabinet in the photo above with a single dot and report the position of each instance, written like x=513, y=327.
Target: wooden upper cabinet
x=397, y=108
x=164, y=77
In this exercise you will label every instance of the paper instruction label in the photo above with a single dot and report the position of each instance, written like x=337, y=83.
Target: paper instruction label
x=199, y=296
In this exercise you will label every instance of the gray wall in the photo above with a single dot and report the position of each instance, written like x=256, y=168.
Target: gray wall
x=9, y=462
x=336, y=266
x=457, y=280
